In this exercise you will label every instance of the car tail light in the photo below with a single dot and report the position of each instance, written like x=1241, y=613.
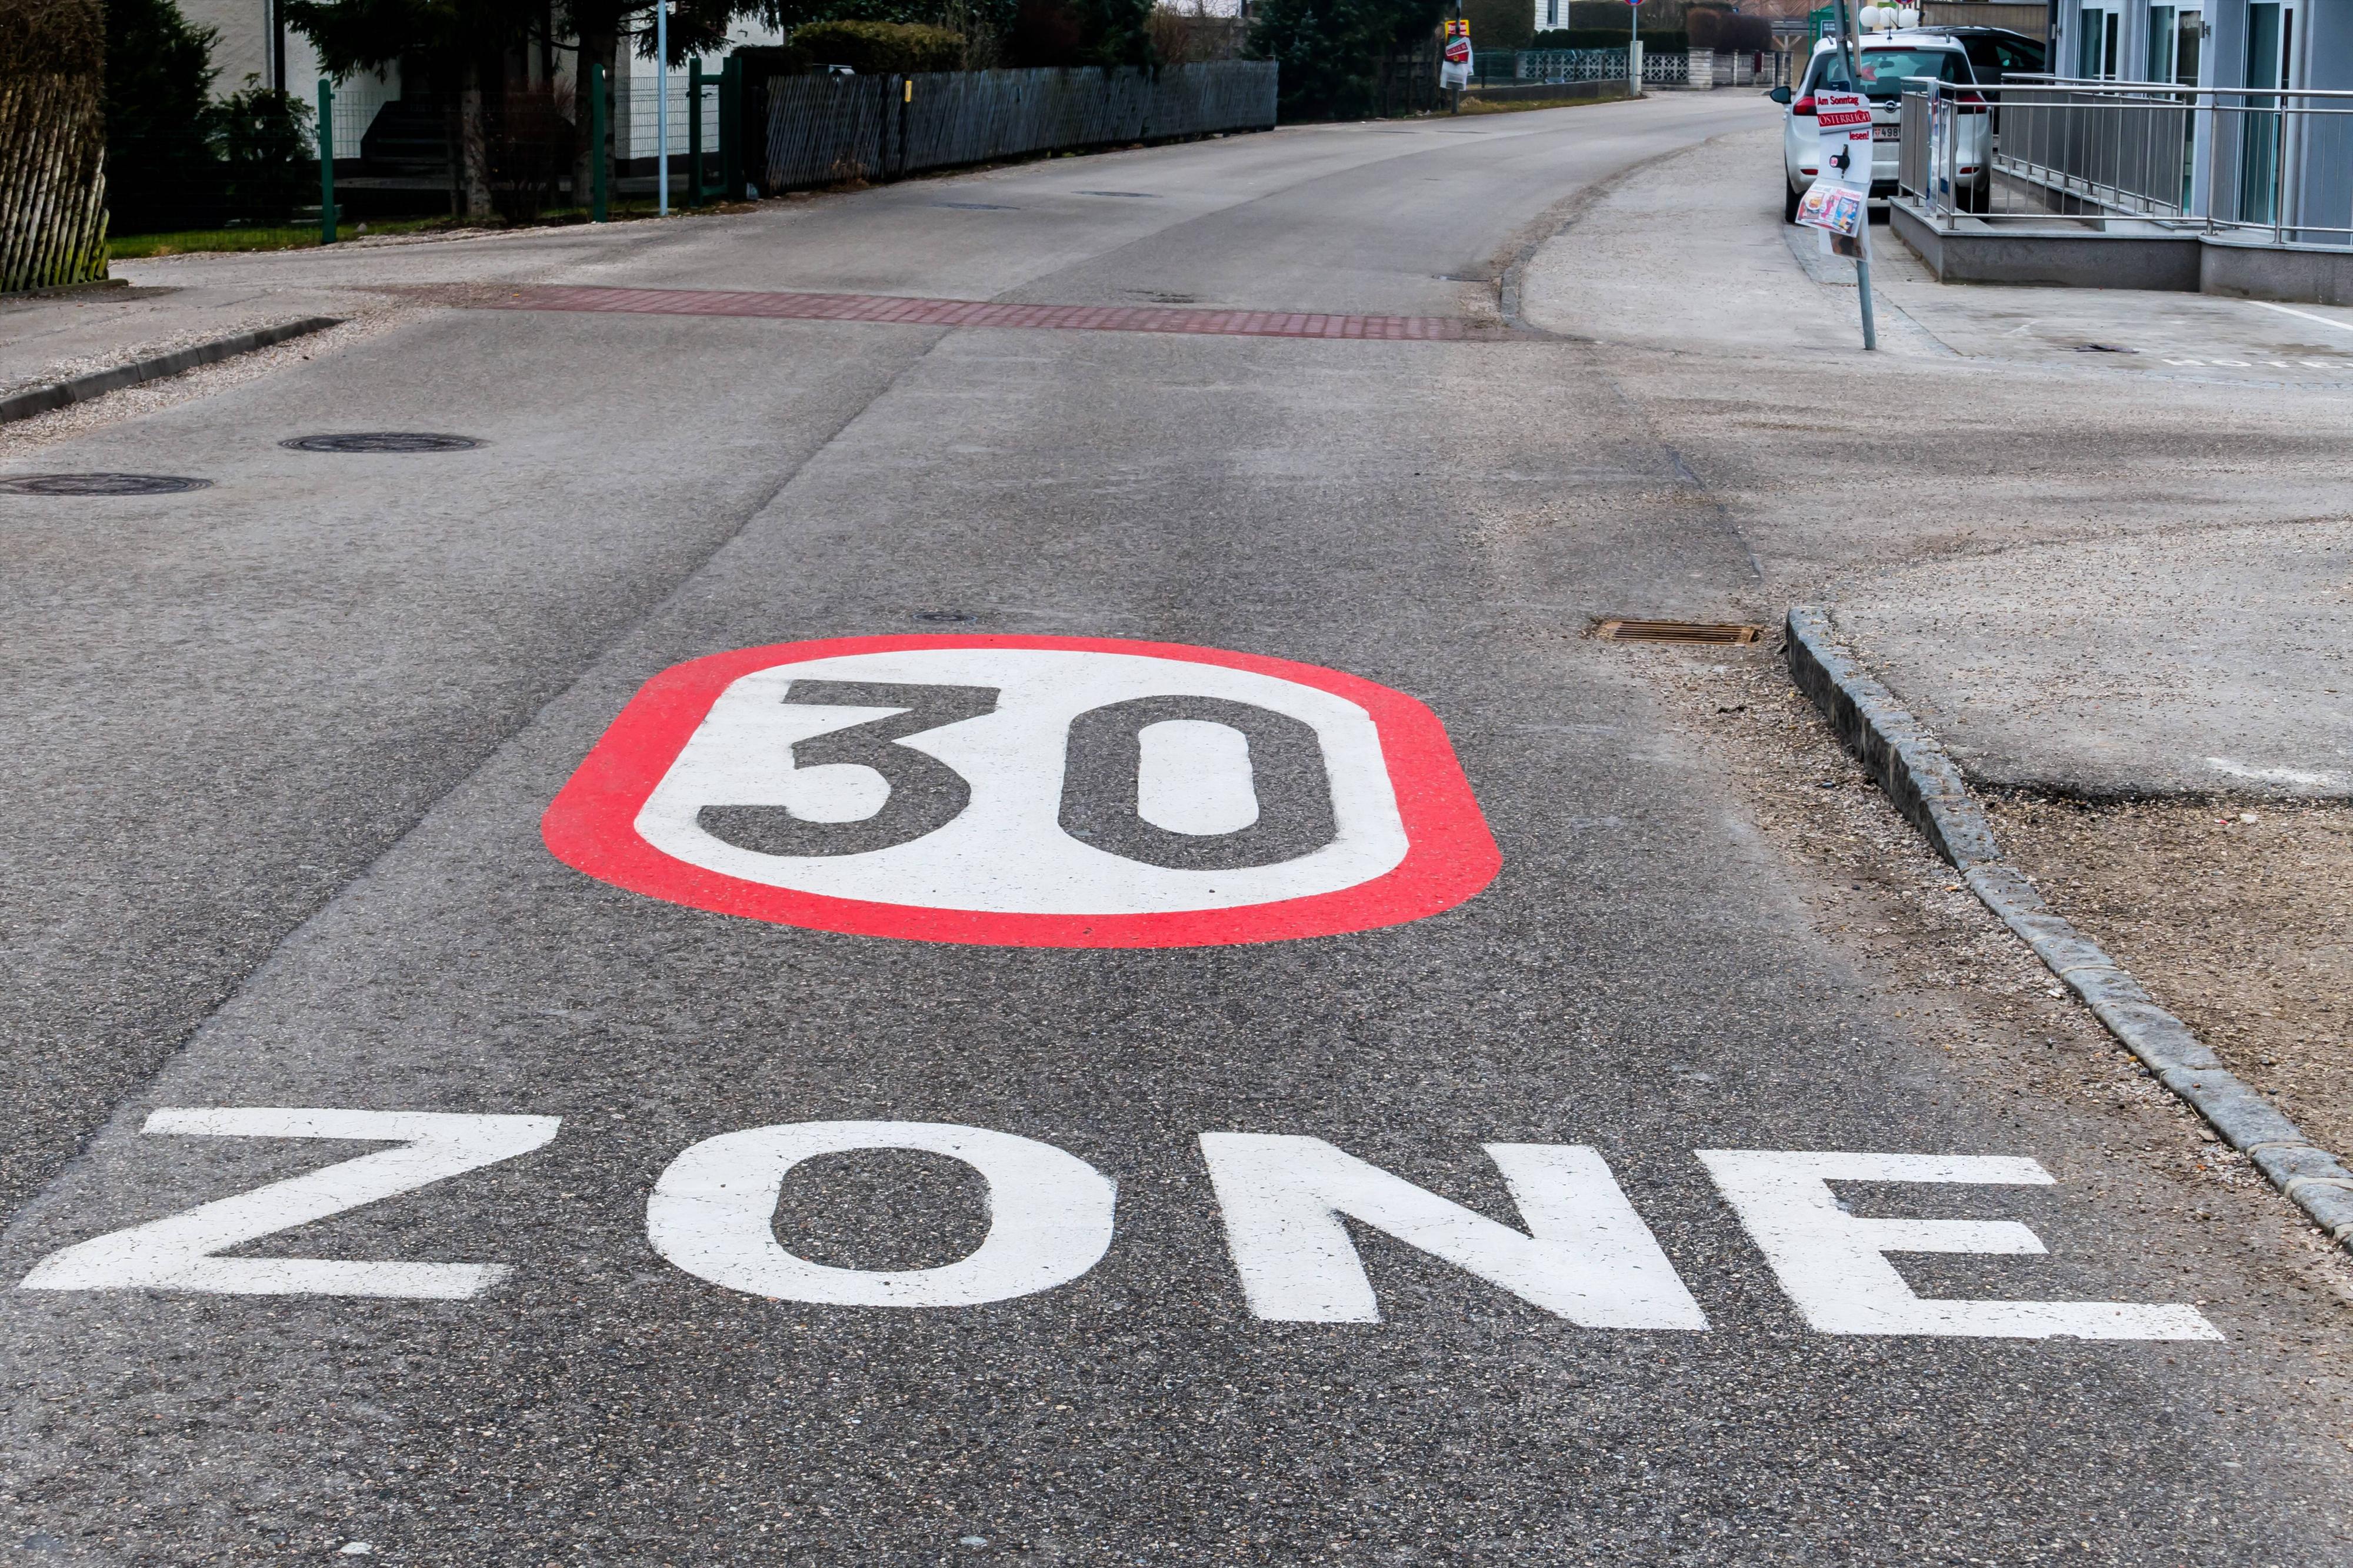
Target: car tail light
x=1971, y=103
x=1804, y=106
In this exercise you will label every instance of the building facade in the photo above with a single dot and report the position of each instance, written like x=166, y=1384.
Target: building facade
x=2255, y=151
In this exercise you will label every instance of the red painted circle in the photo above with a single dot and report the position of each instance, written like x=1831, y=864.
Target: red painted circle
x=591, y=824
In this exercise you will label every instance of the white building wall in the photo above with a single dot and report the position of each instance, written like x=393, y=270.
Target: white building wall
x=635, y=125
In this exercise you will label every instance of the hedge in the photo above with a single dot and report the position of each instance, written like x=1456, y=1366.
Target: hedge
x=881, y=48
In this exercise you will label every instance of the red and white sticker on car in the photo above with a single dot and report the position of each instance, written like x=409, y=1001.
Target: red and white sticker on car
x=1027, y=791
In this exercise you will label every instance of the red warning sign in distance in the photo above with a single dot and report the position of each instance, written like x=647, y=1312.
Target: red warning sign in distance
x=1029, y=792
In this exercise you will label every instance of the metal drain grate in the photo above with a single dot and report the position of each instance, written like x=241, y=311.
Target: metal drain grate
x=1676, y=631
x=383, y=441
x=101, y=484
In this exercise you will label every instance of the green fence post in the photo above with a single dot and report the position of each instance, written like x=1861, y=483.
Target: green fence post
x=731, y=129
x=596, y=143
x=694, y=132
x=326, y=161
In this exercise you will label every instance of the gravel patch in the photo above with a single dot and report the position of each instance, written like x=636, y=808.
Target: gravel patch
x=2237, y=916
x=1957, y=978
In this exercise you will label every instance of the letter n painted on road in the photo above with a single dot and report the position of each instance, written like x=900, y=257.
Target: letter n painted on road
x=1027, y=791
x=1586, y=1255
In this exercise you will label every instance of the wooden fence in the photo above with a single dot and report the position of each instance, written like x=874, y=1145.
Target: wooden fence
x=52, y=180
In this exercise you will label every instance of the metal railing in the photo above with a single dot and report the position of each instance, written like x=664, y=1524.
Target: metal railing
x=2266, y=165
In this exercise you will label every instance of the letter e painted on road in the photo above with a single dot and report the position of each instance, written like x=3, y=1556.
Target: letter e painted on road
x=1027, y=791
x=713, y=1213
x=1832, y=1265
x=1587, y=1256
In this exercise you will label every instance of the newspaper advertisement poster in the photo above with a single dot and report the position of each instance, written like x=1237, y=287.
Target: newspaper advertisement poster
x=1835, y=204
x=1455, y=68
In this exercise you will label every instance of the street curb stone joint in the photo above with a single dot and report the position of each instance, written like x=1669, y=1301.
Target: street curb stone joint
x=98, y=382
x=1909, y=764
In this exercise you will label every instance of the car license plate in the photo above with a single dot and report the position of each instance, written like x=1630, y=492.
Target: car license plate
x=1888, y=134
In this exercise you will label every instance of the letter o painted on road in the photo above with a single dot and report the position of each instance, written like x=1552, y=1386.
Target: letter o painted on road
x=713, y=1213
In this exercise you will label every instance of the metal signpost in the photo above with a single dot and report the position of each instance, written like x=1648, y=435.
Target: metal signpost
x=661, y=109
x=1850, y=51
x=1839, y=202
x=597, y=137
x=326, y=161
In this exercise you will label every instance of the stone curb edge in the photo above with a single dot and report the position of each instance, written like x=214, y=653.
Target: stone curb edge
x=98, y=382
x=1924, y=784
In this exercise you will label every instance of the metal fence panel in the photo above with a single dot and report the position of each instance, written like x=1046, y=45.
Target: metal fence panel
x=823, y=130
x=1660, y=67
x=1569, y=65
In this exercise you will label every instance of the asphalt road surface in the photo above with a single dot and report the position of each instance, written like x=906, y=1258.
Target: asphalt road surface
x=881, y=940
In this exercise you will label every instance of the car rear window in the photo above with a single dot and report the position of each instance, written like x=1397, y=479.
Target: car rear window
x=1883, y=71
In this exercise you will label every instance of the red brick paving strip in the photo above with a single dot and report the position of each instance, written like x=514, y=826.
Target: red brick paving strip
x=898, y=311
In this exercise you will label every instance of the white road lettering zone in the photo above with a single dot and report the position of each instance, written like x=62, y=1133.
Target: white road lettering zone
x=1586, y=1256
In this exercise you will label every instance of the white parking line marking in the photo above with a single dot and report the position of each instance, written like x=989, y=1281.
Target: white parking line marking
x=2298, y=776
x=1831, y=1262
x=176, y=1253
x=2304, y=315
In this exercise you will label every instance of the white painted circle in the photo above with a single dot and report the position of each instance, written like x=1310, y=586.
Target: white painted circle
x=1006, y=853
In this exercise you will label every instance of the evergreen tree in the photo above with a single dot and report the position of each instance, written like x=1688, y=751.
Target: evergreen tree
x=161, y=168
x=1331, y=50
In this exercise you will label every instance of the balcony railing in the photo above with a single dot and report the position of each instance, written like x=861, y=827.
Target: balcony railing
x=2270, y=166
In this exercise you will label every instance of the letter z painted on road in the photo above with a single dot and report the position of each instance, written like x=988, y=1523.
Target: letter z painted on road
x=1027, y=791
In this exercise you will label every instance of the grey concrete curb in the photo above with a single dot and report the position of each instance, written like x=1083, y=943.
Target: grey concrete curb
x=98, y=382
x=1928, y=789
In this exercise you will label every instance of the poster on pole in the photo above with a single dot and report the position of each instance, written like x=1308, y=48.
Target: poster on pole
x=1455, y=68
x=1835, y=203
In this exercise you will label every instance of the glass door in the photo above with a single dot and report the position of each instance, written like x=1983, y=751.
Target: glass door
x=2096, y=47
x=2270, y=52
x=2174, y=34
x=2188, y=32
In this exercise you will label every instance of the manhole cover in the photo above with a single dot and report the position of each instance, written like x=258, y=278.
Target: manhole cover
x=101, y=484
x=1676, y=631
x=383, y=441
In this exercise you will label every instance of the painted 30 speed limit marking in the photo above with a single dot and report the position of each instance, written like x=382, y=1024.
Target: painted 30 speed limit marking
x=1027, y=791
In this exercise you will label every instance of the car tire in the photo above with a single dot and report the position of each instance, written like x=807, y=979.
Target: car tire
x=1790, y=199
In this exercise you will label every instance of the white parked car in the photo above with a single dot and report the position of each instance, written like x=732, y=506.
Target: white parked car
x=1885, y=59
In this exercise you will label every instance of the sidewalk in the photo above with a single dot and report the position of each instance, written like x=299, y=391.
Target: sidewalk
x=2107, y=555
x=55, y=337
x=2095, y=572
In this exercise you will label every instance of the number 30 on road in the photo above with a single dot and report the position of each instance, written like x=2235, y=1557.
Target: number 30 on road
x=1030, y=792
